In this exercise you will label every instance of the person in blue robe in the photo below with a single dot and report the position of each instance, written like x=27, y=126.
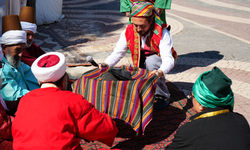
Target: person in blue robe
x=17, y=78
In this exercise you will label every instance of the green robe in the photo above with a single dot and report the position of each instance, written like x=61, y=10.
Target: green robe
x=126, y=5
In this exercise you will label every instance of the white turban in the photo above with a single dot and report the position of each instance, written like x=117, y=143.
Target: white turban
x=13, y=37
x=28, y=26
x=49, y=67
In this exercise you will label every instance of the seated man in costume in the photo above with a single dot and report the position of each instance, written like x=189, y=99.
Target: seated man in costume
x=215, y=126
x=5, y=123
x=160, y=6
x=28, y=20
x=54, y=117
x=16, y=76
x=150, y=47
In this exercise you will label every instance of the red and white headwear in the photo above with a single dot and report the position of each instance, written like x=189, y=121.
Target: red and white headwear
x=49, y=67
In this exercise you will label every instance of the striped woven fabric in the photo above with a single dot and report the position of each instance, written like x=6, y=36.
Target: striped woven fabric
x=142, y=9
x=130, y=101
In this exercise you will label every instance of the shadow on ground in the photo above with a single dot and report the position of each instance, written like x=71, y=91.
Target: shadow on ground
x=163, y=125
x=78, y=27
x=196, y=59
x=184, y=85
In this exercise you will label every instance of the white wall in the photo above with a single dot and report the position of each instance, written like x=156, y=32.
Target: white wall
x=48, y=11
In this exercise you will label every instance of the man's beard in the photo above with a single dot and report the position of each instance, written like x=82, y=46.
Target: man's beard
x=143, y=33
x=146, y=32
x=28, y=44
x=13, y=62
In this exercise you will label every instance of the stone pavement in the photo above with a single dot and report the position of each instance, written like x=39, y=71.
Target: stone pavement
x=205, y=34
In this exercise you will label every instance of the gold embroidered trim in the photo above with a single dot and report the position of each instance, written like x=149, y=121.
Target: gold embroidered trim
x=136, y=57
x=211, y=114
x=128, y=43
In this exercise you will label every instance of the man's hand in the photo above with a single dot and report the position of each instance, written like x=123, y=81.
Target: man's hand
x=102, y=65
x=159, y=73
x=127, y=14
x=159, y=10
x=5, y=127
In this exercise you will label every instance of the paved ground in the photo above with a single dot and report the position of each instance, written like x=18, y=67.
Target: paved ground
x=205, y=34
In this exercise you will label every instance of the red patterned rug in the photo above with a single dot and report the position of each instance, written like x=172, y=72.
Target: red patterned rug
x=159, y=132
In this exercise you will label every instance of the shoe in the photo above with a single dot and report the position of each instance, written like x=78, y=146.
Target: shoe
x=161, y=103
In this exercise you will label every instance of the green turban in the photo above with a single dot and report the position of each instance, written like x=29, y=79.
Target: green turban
x=212, y=89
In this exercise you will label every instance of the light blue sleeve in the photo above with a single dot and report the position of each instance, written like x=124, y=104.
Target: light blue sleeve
x=10, y=89
x=31, y=80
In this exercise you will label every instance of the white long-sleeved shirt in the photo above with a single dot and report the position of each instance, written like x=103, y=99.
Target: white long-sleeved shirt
x=164, y=46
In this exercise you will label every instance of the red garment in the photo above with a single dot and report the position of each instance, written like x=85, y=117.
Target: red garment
x=133, y=41
x=49, y=118
x=5, y=129
x=146, y=51
x=30, y=54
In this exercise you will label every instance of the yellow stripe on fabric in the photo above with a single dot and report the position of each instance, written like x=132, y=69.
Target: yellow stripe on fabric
x=110, y=93
x=95, y=94
x=138, y=110
x=147, y=114
x=113, y=93
x=103, y=95
x=90, y=74
x=157, y=17
x=145, y=83
x=137, y=126
x=211, y=114
x=98, y=99
x=144, y=12
x=146, y=94
x=132, y=100
x=117, y=99
x=128, y=95
x=90, y=87
x=82, y=85
x=125, y=98
x=74, y=87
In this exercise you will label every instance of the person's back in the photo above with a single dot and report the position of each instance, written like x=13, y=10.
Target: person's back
x=52, y=118
x=229, y=131
x=215, y=126
x=17, y=76
x=49, y=118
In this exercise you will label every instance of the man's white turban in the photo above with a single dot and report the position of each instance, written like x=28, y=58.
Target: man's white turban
x=13, y=37
x=49, y=67
x=28, y=26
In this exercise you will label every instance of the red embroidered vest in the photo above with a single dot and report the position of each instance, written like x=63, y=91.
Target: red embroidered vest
x=133, y=42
